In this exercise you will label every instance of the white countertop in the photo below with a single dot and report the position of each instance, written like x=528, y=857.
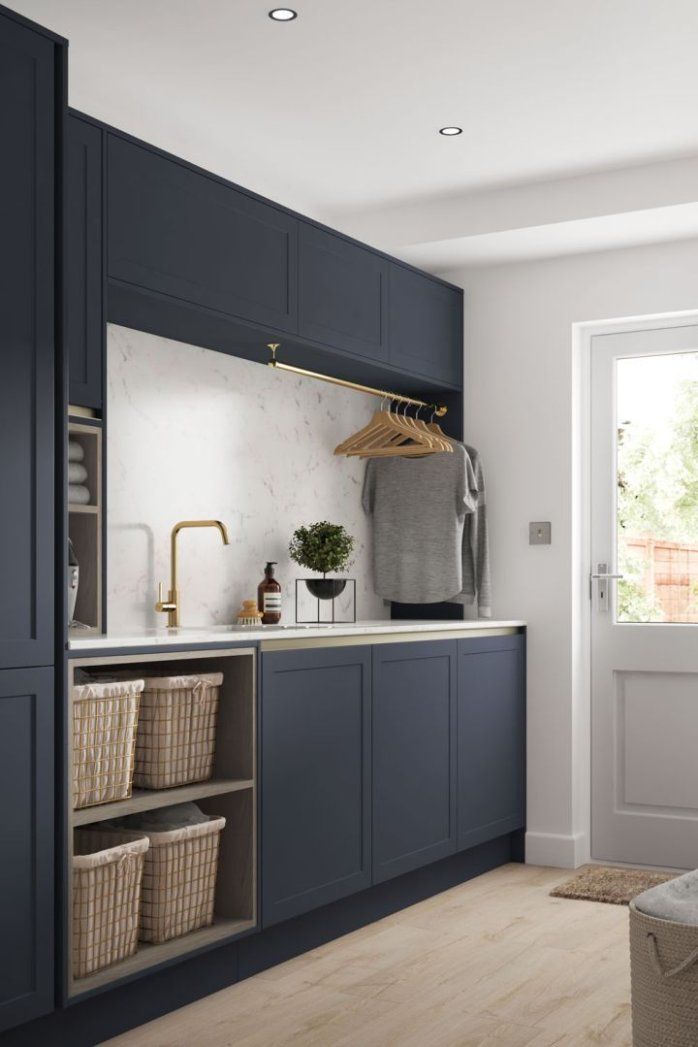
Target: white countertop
x=219, y=634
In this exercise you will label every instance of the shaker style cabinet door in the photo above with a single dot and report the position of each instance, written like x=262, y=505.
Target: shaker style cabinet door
x=491, y=738
x=185, y=234
x=342, y=294
x=83, y=230
x=26, y=844
x=414, y=755
x=27, y=129
x=316, y=780
x=426, y=326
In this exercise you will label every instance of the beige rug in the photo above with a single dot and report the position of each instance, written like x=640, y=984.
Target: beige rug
x=601, y=883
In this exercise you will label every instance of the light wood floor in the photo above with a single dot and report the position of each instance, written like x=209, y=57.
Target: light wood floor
x=495, y=961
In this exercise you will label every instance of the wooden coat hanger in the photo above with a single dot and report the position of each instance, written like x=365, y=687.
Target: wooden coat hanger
x=388, y=433
x=420, y=441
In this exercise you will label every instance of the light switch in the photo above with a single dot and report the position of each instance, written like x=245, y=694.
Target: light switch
x=539, y=533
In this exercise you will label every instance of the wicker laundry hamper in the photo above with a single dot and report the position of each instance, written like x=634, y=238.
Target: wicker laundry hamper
x=664, y=981
x=107, y=876
x=179, y=880
x=105, y=716
x=177, y=730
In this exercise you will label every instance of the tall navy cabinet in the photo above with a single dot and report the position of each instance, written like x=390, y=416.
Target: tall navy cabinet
x=414, y=755
x=26, y=345
x=26, y=842
x=316, y=737
x=29, y=75
x=491, y=738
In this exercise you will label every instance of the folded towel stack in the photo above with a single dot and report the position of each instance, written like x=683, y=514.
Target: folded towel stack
x=78, y=494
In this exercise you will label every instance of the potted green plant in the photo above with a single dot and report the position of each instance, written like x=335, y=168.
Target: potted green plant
x=323, y=547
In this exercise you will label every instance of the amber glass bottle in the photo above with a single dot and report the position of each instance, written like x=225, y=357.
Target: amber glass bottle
x=269, y=596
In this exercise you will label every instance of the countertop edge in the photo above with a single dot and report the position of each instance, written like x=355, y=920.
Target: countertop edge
x=195, y=638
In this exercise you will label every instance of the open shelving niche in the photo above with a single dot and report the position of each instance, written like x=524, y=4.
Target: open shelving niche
x=231, y=792
x=85, y=529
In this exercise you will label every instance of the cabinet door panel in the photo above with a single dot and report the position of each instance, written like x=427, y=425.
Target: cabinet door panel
x=414, y=755
x=84, y=262
x=315, y=778
x=26, y=844
x=342, y=294
x=426, y=326
x=185, y=234
x=491, y=739
x=26, y=345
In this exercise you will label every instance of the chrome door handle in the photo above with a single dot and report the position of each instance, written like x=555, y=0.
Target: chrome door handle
x=603, y=576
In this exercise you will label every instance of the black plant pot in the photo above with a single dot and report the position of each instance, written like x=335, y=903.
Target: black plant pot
x=326, y=588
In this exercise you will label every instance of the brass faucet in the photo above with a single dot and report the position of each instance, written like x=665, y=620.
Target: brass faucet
x=171, y=604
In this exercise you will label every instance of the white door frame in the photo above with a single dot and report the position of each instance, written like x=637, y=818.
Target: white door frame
x=582, y=335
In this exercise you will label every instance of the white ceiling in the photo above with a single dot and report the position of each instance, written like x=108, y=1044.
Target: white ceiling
x=336, y=113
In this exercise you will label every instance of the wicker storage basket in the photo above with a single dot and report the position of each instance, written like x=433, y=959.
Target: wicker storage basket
x=179, y=880
x=107, y=875
x=105, y=715
x=177, y=730
x=664, y=981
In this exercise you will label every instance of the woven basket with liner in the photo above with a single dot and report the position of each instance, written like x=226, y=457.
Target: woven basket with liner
x=105, y=717
x=664, y=981
x=107, y=877
x=177, y=730
x=179, y=880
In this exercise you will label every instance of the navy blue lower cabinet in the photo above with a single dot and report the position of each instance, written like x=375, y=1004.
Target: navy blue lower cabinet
x=491, y=738
x=26, y=844
x=315, y=775
x=414, y=755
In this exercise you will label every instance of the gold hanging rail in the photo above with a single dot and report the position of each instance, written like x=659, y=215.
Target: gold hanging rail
x=439, y=410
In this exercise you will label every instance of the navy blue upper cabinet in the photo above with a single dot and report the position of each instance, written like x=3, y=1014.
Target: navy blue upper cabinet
x=26, y=842
x=84, y=284
x=316, y=780
x=491, y=738
x=27, y=129
x=426, y=326
x=183, y=233
x=342, y=294
x=414, y=755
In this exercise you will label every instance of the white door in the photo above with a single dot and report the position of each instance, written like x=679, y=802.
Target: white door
x=644, y=624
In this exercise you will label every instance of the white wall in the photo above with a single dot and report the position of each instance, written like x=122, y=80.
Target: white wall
x=518, y=412
x=196, y=434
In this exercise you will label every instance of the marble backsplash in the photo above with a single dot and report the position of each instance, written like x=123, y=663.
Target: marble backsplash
x=195, y=434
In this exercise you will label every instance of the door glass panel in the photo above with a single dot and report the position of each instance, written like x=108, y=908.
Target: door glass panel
x=657, y=497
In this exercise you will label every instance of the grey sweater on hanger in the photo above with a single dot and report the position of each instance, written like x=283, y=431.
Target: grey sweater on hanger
x=477, y=585
x=430, y=540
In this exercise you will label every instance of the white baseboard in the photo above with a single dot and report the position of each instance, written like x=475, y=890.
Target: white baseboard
x=557, y=850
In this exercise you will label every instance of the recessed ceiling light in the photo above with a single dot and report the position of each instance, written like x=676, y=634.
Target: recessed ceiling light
x=283, y=14
x=449, y=131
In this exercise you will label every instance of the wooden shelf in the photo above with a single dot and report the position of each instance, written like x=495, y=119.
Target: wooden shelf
x=152, y=799
x=150, y=955
x=85, y=526
x=230, y=793
x=83, y=508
